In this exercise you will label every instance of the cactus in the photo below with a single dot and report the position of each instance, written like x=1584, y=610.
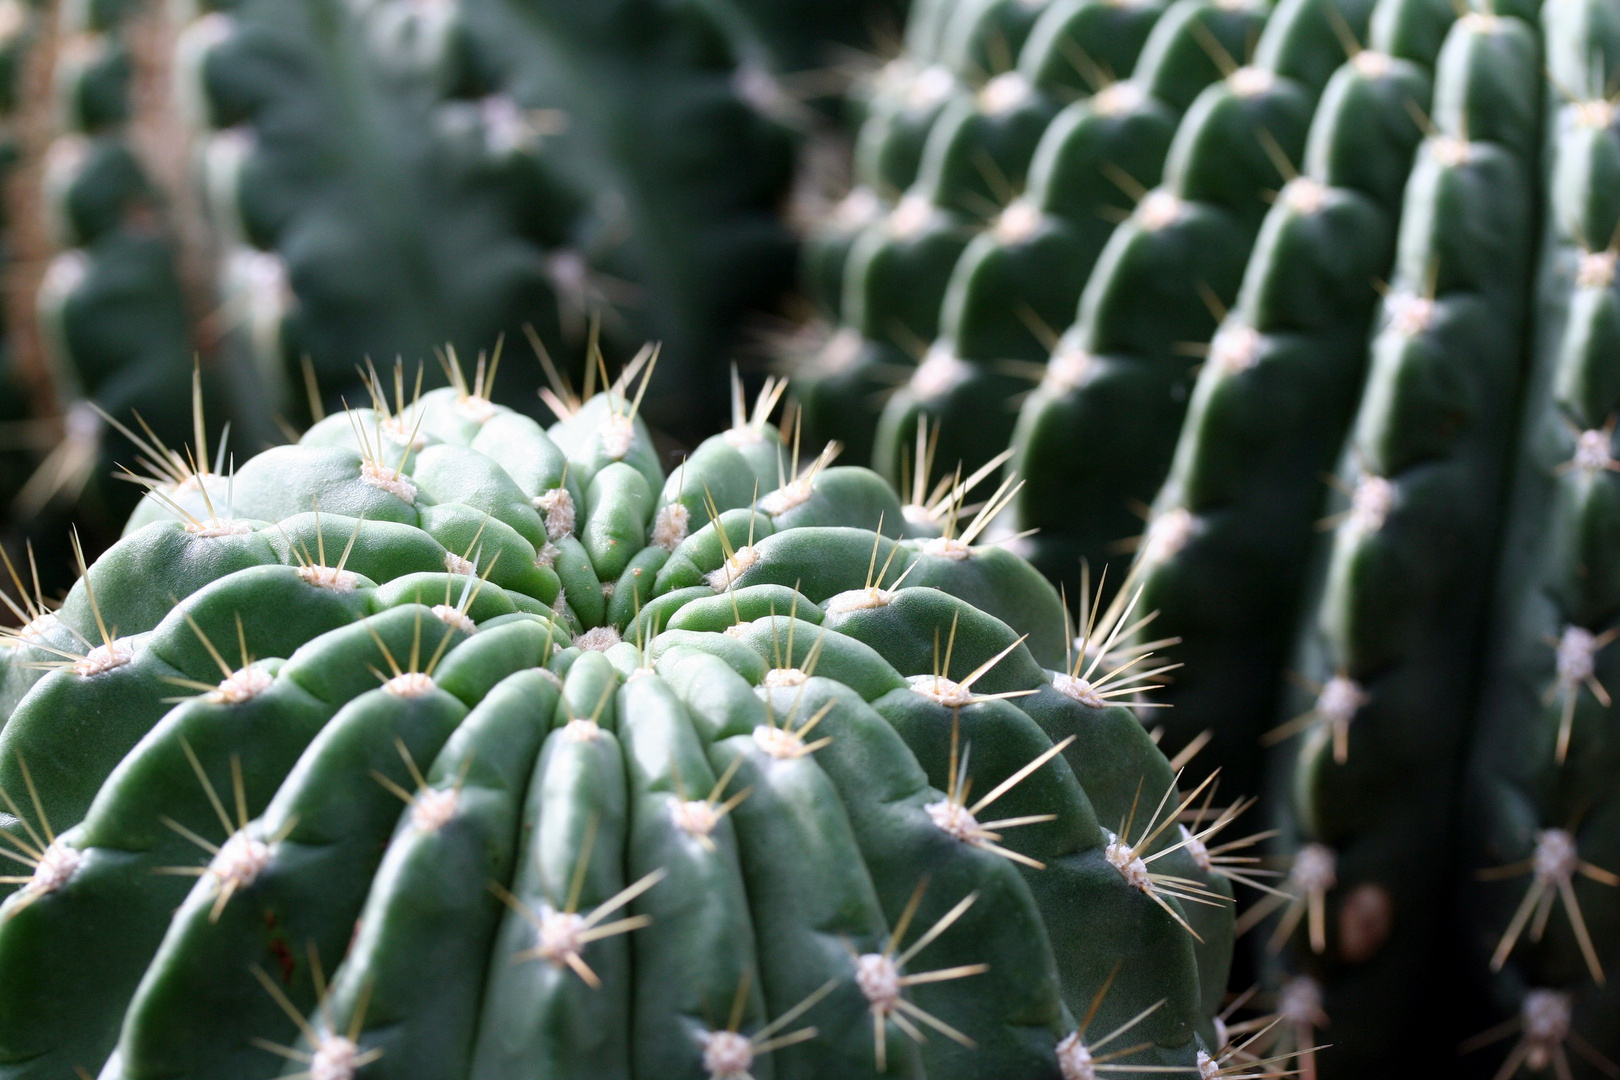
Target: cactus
x=1035, y=249
x=332, y=182
x=1534, y=825
x=1099, y=430
x=1224, y=559
x=783, y=794
x=1389, y=659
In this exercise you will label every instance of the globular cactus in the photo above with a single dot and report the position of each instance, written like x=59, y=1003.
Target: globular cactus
x=1540, y=916
x=706, y=775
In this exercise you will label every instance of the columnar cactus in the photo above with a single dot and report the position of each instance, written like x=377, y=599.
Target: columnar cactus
x=888, y=275
x=1542, y=901
x=1388, y=663
x=1224, y=558
x=1099, y=430
x=499, y=753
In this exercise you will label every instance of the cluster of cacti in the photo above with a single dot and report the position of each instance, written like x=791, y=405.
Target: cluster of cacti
x=500, y=753
x=279, y=191
x=1323, y=477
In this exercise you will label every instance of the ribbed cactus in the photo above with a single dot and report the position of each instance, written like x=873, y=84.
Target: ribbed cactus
x=1231, y=530
x=1099, y=430
x=499, y=753
x=1388, y=663
x=1542, y=899
x=1023, y=272
x=1461, y=163
x=273, y=189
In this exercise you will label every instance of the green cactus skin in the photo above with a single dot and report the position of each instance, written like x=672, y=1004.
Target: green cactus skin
x=1540, y=779
x=1018, y=282
x=1392, y=639
x=977, y=114
x=1225, y=557
x=741, y=796
x=1098, y=432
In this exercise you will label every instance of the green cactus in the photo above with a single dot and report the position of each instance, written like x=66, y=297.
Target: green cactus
x=1389, y=658
x=1099, y=430
x=813, y=803
x=1536, y=822
x=1034, y=249
x=1224, y=559
x=1002, y=313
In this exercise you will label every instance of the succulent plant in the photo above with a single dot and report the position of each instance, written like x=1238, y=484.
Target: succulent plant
x=492, y=760
x=1367, y=657
x=1540, y=912
x=1388, y=662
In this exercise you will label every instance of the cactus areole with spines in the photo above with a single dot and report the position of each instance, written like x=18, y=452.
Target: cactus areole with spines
x=450, y=746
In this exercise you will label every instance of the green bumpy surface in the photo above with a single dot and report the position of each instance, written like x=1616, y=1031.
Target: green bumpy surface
x=1096, y=437
x=1388, y=662
x=1232, y=528
x=771, y=762
x=1539, y=820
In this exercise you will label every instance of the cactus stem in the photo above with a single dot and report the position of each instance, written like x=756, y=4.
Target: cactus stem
x=952, y=814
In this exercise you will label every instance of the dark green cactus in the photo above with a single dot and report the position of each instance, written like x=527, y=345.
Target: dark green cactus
x=1231, y=530
x=1389, y=659
x=1541, y=912
x=1099, y=430
x=811, y=803
x=1003, y=310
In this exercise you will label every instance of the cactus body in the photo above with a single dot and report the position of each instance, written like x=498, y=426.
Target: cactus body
x=1390, y=653
x=743, y=795
x=1540, y=775
x=1224, y=558
x=1100, y=429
